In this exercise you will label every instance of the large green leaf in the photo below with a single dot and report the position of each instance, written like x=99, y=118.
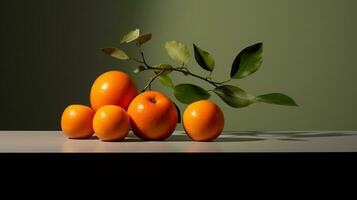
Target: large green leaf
x=177, y=52
x=131, y=36
x=247, y=61
x=203, y=58
x=234, y=96
x=277, y=98
x=115, y=53
x=144, y=38
x=166, y=81
x=189, y=93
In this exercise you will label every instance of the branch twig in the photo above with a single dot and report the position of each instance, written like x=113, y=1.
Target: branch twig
x=181, y=69
x=148, y=85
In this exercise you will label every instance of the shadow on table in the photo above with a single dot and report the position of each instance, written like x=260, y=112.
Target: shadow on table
x=251, y=136
x=289, y=135
x=185, y=138
x=292, y=139
x=93, y=137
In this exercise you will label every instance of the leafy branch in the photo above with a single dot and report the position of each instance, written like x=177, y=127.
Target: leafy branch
x=247, y=62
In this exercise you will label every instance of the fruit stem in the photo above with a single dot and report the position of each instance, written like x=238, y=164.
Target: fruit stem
x=148, y=85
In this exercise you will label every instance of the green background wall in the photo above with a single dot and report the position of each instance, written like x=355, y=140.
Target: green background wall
x=50, y=55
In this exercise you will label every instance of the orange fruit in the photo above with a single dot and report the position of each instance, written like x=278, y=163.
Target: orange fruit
x=112, y=88
x=153, y=116
x=111, y=123
x=203, y=120
x=76, y=121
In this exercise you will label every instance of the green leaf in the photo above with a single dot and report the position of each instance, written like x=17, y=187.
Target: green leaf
x=116, y=53
x=188, y=93
x=178, y=112
x=177, y=52
x=165, y=67
x=166, y=81
x=203, y=58
x=144, y=38
x=277, y=98
x=139, y=69
x=234, y=96
x=248, y=61
x=131, y=36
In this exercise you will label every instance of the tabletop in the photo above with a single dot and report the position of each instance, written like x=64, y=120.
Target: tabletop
x=229, y=141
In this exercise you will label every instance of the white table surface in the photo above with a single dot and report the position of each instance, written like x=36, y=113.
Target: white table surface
x=240, y=141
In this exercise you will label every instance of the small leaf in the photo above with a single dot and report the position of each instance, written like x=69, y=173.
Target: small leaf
x=234, y=96
x=139, y=69
x=188, y=93
x=177, y=52
x=178, y=113
x=165, y=67
x=203, y=58
x=248, y=61
x=116, y=53
x=131, y=36
x=166, y=81
x=277, y=98
x=144, y=38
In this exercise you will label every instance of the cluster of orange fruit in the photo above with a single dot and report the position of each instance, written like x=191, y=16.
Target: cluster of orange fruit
x=116, y=108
